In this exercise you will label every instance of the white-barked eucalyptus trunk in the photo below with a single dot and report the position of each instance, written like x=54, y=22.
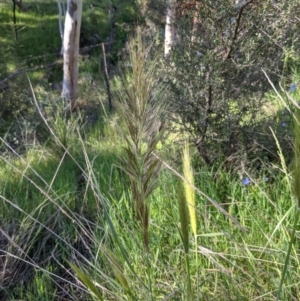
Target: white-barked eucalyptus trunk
x=61, y=15
x=170, y=28
x=195, y=23
x=71, y=50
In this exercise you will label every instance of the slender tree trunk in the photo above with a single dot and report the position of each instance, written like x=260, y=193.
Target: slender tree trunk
x=195, y=23
x=18, y=3
x=106, y=78
x=71, y=50
x=60, y=24
x=170, y=28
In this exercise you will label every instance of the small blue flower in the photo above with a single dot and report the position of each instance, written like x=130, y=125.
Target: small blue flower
x=283, y=124
x=266, y=179
x=246, y=181
x=293, y=88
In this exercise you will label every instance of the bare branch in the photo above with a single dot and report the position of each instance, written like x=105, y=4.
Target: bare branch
x=240, y=8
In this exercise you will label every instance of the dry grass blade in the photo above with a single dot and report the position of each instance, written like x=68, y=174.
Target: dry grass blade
x=24, y=249
x=279, y=95
x=282, y=160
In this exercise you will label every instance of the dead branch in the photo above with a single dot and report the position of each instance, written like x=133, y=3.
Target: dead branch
x=240, y=9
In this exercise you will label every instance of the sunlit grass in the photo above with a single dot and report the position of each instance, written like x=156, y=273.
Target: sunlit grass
x=64, y=187
x=227, y=257
x=65, y=203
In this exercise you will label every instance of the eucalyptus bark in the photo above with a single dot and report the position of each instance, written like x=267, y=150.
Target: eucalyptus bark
x=60, y=24
x=71, y=51
x=195, y=23
x=170, y=28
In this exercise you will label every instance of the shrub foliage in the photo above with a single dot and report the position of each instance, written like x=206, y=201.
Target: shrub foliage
x=216, y=68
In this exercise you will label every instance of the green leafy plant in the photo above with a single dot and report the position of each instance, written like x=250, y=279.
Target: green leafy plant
x=216, y=78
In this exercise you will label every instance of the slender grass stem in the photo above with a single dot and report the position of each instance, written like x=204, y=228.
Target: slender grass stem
x=189, y=281
x=287, y=258
x=149, y=277
x=197, y=268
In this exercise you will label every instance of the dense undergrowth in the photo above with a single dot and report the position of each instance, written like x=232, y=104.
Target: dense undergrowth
x=99, y=206
x=49, y=218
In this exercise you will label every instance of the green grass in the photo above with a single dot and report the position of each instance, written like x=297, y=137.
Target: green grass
x=41, y=188
x=69, y=227
x=232, y=265
x=39, y=40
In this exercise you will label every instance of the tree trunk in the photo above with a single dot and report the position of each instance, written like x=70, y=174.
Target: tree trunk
x=18, y=3
x=71, y=50
x=195, y=23
x=170, y=29
x=60, y=24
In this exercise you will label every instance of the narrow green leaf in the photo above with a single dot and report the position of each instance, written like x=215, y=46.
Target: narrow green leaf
x=86, y=281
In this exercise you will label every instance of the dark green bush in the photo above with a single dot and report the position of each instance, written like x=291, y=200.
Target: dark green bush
x=216, y=70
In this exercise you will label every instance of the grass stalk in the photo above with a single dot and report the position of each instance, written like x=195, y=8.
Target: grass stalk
x=190, y=196
x=189, y=191
x=140, y=107
x=184, y=233
x=149, y=277
x=288, y=255
x=296, y=192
